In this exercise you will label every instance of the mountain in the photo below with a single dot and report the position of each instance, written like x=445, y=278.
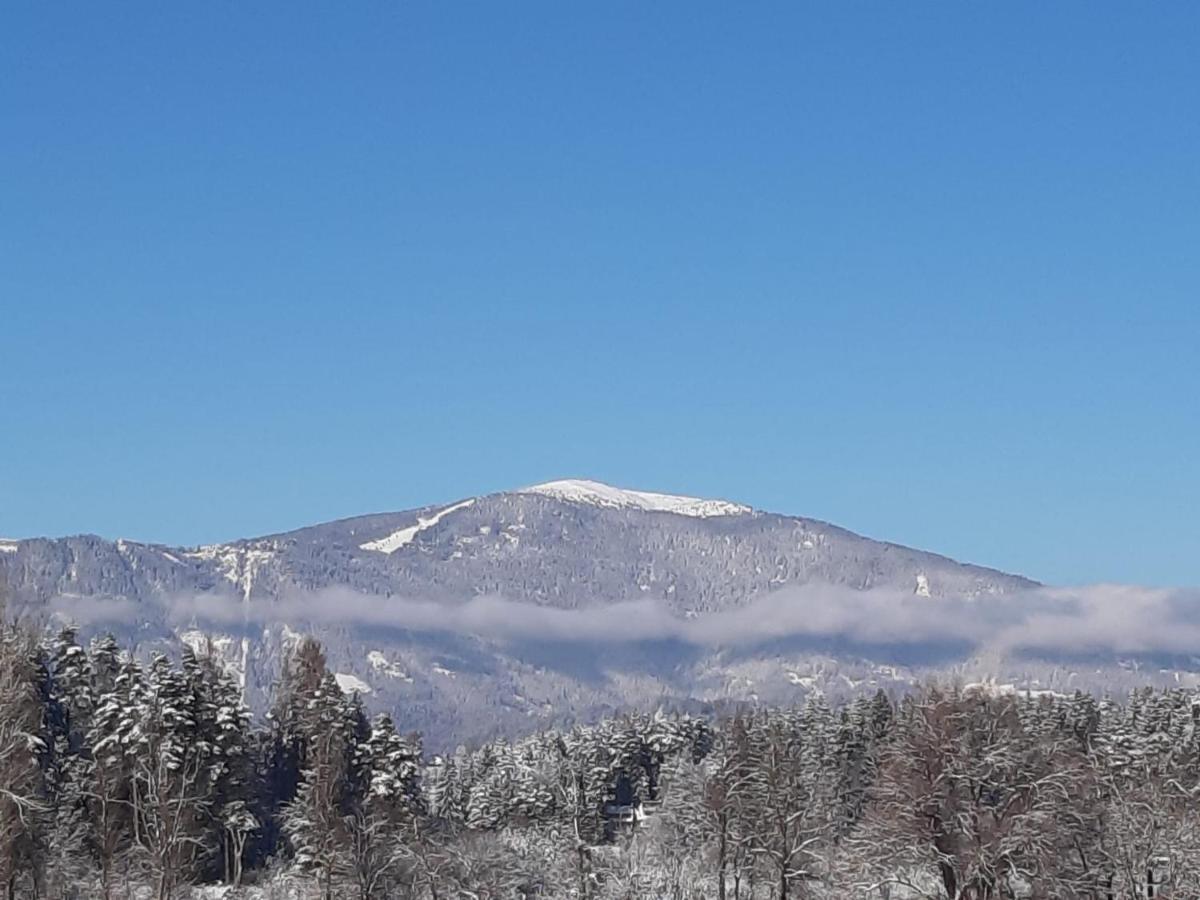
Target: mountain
x=564, y=544
x=503, y=612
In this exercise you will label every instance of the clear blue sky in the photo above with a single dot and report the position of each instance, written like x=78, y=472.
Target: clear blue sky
x=927, y=270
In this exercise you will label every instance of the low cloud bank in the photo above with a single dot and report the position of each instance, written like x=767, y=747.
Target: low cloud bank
x=1097, y=618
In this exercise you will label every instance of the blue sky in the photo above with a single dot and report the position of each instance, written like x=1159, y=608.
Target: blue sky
x=928, y=271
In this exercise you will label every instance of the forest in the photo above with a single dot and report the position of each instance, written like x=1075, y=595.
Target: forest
x=125, y=778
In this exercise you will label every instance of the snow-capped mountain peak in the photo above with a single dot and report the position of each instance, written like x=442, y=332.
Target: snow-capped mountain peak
x=474, y=600
x=596, y=493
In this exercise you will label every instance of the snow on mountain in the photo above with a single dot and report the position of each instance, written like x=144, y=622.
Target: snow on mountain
x=991, y=687
x=563, y=544
x=351, y=684
x=404, y=536
x=229, y=653
x=238, y=564
x=596, y=493
x=550, y=550
x=381, y=664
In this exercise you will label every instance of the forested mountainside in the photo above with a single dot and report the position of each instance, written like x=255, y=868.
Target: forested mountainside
x=119, y=779
x=565, y=544
x=563, y=547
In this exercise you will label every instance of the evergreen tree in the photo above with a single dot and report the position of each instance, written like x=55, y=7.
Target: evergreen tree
x=317, y=821
x=68, y=703
x=23, y=745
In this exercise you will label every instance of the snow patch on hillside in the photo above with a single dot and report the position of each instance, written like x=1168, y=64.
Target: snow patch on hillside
x=804, y=681
x=238, y=564
x=594, y=493
x=351, y=684
x=380, y=663
x=992, y=688
x=405, y=536
x=127, y=550
x=289, y=640
x=200, y=642
x=7, y=546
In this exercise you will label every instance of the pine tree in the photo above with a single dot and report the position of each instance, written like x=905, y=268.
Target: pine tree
x=172, y=747
x=224, y=722
x=383, y=816
x=394, y=767
x=315, y=820
x=68, y=704
x=23, y=743
x=107, y=779
x=441, y=788
x=283, y=751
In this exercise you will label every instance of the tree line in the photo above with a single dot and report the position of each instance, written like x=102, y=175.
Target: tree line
x=124, y=778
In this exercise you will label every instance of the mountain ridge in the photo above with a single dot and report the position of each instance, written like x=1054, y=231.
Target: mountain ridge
x=717, y=552
x=566, y=490
x=622, y=565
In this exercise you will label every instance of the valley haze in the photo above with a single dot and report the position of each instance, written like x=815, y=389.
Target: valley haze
x=568, y=600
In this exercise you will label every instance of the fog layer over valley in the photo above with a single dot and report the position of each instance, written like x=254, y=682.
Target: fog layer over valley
x=562, y=602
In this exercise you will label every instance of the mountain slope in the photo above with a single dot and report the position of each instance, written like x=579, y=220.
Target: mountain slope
x=612, y=559
x=564, y=544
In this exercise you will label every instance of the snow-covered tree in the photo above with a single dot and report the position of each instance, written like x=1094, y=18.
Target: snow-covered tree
x=22, y=745
x=966, y=798
x=333, y=778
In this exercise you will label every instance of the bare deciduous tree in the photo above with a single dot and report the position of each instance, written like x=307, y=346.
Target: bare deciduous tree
x=965, y=796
